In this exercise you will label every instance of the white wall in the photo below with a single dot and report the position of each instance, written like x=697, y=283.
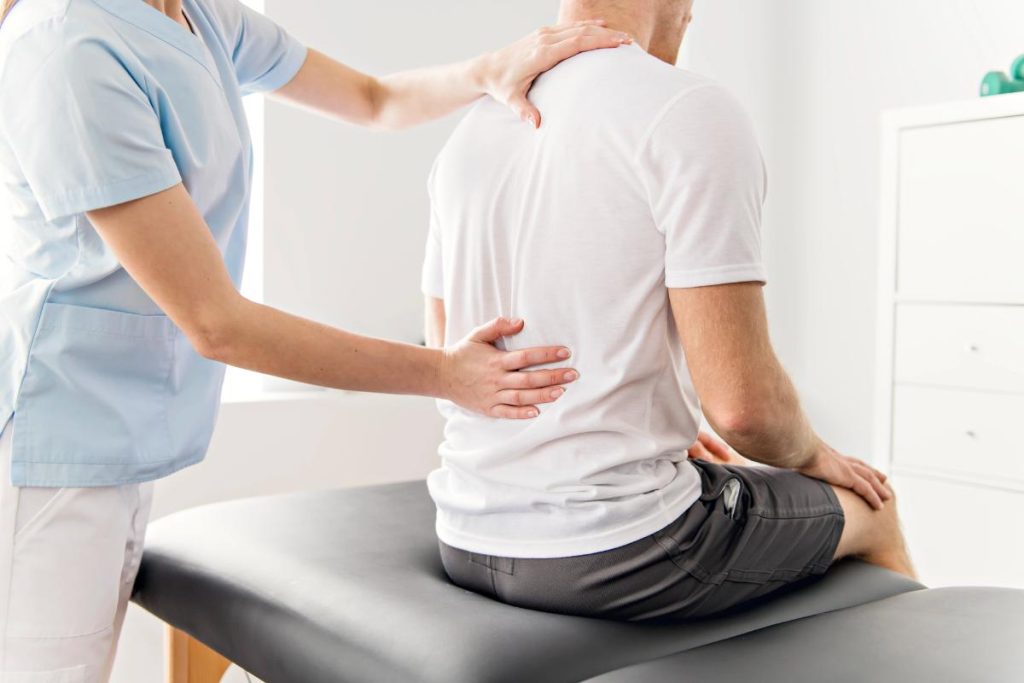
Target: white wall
x=815, y=75
x=347, y=209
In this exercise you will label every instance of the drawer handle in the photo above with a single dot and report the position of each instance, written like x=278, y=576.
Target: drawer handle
x=971, y=348
x=971, y=434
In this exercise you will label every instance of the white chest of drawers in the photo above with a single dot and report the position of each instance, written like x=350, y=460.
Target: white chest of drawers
x=950, y=384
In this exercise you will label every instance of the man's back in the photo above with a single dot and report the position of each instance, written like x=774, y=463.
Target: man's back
x=642, y=176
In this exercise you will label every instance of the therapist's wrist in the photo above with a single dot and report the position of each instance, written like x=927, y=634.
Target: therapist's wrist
x=483, y=73
x=438, y=373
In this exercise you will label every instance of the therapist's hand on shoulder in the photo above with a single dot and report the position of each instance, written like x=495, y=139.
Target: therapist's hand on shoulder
x=509, y=72
x=409, y=98
x=479, y=377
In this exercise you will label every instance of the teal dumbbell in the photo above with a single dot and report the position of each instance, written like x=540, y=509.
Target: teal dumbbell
x=1017, y=70
x=999, y=83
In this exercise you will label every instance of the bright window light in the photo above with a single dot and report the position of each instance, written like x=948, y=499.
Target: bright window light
x=241, y=383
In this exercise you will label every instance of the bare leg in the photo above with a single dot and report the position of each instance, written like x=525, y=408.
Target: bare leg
x=873, y=535
x=870, y=535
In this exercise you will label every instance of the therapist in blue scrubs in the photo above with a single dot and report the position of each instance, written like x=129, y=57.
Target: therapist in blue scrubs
x=127, y=163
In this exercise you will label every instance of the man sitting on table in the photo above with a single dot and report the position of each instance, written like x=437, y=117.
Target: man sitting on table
x=628, y=229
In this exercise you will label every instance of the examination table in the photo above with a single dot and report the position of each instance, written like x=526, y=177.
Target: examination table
x=347, y=586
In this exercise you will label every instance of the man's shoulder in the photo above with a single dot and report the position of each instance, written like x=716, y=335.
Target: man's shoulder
x=626, y=88
x=608, y=99
x=628, y=69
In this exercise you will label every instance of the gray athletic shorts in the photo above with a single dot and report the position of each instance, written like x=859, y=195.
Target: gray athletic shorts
x=753, y=532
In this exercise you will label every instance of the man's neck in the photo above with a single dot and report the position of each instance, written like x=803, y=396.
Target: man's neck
x=656, y=34
x=636, y=24
x=658, y=28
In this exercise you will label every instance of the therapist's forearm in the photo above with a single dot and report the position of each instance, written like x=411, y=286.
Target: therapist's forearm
x=392, y=102
x=266, y=340
x=412, y=97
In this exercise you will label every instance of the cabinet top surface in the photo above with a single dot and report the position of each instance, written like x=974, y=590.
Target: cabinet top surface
x=979, y=108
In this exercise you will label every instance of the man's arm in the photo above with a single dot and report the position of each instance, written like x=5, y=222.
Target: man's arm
x=412, y=97
x=745, y=393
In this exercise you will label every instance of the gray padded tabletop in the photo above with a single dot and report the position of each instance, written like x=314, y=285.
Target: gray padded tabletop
x=946, y=635
x=348, y=586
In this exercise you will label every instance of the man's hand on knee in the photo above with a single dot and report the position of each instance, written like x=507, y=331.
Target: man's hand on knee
x=834, y=468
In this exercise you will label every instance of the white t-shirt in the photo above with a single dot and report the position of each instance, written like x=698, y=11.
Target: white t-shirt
x=642, y=177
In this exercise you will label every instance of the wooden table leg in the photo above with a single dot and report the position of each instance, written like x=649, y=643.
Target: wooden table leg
x=189, y=661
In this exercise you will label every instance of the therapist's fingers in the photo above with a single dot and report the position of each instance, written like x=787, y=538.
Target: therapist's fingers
x=496, y=329
x=557, y=47
x=555, y=33
x=525, y=358
x=529, y=397
x=524, y=109
x=508, y=412
x=572, y=41
x=509, y=72
x=538, y=379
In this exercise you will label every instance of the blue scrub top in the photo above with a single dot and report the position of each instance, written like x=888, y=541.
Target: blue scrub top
x=103, y=102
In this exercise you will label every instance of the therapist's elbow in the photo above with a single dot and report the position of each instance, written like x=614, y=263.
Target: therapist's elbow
x=381, y=114
x=215, y=334
x=212, y=345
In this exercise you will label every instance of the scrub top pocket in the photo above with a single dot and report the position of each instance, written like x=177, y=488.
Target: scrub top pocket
x=95, y=392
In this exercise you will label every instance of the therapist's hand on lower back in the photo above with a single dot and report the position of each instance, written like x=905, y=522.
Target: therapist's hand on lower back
x=167, y=248
x=479, y=377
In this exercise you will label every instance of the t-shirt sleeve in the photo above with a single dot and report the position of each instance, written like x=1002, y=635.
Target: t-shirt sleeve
x=706, y=182
x=83, y=132
x=265, y=56
x=433, y=263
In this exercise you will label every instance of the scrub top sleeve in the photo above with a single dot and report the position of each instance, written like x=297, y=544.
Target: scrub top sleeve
x=706, y=183
x=265, y=56
x=84, y=132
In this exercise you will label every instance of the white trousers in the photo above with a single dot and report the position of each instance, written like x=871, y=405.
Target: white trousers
x=68, y=559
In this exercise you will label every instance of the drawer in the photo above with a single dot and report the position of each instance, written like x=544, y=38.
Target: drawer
x=968, y=435
x=971, y=347
x=961, y=212
x=961, y=535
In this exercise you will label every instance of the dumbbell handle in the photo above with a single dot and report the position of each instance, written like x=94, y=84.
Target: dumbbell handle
x=1017, y=70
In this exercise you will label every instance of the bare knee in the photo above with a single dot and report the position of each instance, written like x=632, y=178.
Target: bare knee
x=872, y=535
